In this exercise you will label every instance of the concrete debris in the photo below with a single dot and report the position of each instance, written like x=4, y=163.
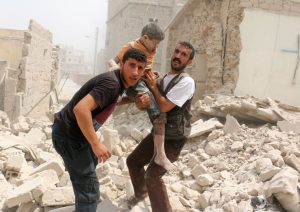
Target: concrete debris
x=242, y=153
x=231, y=125
x=248, y=109
x=288, y=127
x=199, y=127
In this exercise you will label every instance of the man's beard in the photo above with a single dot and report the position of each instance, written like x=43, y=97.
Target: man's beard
x=180, y=68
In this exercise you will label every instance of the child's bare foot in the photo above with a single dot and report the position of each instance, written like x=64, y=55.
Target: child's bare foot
x=165, y=163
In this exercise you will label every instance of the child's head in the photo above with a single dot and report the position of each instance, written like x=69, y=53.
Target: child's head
x=151, y=36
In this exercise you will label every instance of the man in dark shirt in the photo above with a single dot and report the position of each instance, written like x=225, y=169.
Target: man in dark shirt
x=74, y=129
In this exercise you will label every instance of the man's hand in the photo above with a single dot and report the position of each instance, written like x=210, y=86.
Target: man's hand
x=101, y=151
x=150, y=80
x=156, y=73
x=142, y=101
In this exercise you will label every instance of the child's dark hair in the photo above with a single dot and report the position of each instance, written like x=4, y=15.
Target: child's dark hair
x=153, y=31
x=135, y=54
x=188, y=45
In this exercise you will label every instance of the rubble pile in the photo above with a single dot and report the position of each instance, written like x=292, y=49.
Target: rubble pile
x=243, y=155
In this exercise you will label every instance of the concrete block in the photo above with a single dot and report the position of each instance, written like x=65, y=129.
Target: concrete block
x=107, y=205
x=198, y=170
x=176, y=204
x=58, y=196
x=269, y=173
x=29, y=207
x=286, y=126
x=119, y=180
x=22, y=193
x=70, y=208
x=35, y=136
x=54, y=164
x=49, y=180
x=122, y=163
x=64, y=180
x=136, y=134
x=9, y=175
x=199, y=127
x=292, y=161
x=231, y=125
x=204, y=180
x=110, y=138
x=43, y=157
x=15, y=163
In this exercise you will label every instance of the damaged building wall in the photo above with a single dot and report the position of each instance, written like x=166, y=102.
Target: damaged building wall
x=127, y=18
x=3, y=70
x=36, y=65
x=204, y=23
x=213, y=27
x=11, y=44
x=269, y=67
x=26, y=82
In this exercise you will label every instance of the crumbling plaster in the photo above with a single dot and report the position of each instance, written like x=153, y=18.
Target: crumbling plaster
x=213, y=27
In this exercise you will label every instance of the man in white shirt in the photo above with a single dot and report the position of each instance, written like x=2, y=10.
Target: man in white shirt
x=174, y=95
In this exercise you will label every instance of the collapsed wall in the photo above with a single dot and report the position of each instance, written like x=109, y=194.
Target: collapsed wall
x=31, y=66
x=36, y=65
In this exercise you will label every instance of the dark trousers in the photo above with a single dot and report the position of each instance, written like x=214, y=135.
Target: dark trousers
x=150, y=180
x=80, y=162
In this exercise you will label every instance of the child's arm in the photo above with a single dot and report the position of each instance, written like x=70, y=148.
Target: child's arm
x=125, y=100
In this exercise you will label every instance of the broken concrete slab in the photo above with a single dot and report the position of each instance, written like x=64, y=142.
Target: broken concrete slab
x=110, y=138
x=35, y=136
x=107, y=205
x=54, y=164
x=286, y=126
x=15, y=163
x=199, y=127
x=231, y=125
x=283, y=187
x=59, y=196
x=292, y=161
x=246, y=109
x=22, y=193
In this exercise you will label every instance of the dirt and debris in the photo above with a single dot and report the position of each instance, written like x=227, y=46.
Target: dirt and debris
x=243, y=155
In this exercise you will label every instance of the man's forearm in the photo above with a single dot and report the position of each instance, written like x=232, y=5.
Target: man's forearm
x=85, y=123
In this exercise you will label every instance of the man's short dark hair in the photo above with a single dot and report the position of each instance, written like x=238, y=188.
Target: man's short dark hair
x=135, y=54
x=190, y=46
x=153, y=31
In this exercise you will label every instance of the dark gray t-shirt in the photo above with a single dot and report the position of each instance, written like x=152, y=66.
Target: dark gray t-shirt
x=105, y=89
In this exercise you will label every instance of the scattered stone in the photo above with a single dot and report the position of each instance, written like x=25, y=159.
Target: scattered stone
x=231, y=125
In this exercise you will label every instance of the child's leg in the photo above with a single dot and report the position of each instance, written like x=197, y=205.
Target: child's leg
x=158, y=120
x=159, y=143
